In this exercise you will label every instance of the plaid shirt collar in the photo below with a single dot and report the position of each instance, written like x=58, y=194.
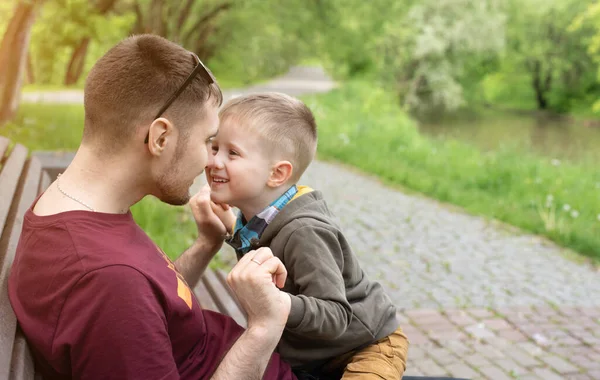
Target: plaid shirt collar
x=245, y=235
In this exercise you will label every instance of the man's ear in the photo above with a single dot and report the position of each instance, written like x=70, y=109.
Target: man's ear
x=160, y=133
x=280, y=173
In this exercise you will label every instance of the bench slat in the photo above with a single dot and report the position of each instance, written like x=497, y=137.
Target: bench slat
x=9, y=178
x=222, y=276
x=26, y=191
x=222, y=297
x=204, y=297
x=45, y=182
x=3, y=146
x=54, y=162
x=22, y=367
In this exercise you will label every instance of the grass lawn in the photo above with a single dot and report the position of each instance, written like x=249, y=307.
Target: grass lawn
x=59, y=127
x=362, y=126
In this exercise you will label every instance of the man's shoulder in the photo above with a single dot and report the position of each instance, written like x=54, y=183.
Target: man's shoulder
x=82, y=232
x=52, y=257
x=98, y=243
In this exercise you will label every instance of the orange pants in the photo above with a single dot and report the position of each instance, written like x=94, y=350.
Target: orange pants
x=384, y=359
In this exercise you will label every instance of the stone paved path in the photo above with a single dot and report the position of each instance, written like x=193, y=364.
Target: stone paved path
x=477, y=300
x=432, y=256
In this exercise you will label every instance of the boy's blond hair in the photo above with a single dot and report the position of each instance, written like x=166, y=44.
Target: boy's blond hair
x=286, y=123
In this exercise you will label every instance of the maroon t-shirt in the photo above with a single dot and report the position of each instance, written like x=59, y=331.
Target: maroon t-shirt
x=97, y=299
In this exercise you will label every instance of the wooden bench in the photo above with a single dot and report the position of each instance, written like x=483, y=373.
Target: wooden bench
x=22, y=178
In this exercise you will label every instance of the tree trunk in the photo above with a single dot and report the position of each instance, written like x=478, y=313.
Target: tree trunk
x=103, y=6
x=76, y=63
x=156, y=15
x=167, y=20
x=184, y=14
x=539, y=87
x=13, y=57
x=200, y=46
x=138, y=27
x=203, y=21
x=30, y=73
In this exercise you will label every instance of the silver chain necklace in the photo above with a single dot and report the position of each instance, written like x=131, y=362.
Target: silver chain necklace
x=72, y=197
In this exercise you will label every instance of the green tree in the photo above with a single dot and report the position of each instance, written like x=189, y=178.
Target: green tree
x=247, y=39
x=190, y=23
x=264, y=38
x=555, y=59
x=80, y=47
x=450, y=37
x=350, y=34
x=67, y=31
x=590, y=19
x=427, y=51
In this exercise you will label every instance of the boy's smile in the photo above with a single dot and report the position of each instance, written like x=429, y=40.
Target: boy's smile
x=217, y=180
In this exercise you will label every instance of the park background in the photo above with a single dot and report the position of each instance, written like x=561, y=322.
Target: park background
x=457, y=145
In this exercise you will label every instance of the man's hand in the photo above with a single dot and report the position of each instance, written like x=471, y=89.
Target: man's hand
x=224, y=212
x=213, y=220
x=255, y=280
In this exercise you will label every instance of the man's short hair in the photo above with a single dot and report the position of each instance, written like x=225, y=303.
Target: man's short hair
x=286, y=123
x=132, y=81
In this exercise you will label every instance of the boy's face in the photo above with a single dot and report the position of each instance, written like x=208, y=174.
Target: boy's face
x=239, y=167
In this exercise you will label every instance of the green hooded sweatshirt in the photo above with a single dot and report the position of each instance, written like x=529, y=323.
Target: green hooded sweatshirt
x=335, y=307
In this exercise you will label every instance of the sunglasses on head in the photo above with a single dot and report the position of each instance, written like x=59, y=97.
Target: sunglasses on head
x=200, y=68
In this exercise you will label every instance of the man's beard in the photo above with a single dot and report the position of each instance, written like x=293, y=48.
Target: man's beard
x=172, y=194
x=172, y=190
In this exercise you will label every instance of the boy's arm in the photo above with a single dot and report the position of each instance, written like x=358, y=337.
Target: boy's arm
x=313, y=257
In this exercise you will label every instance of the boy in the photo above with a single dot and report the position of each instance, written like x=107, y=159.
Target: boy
x=340, y=322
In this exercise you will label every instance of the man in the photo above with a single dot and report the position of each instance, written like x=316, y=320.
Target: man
x=95, y=297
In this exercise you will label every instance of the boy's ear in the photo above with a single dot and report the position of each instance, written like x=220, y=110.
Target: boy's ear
x=280, y=173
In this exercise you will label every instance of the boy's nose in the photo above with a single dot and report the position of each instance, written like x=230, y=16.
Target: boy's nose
x=215, y=162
